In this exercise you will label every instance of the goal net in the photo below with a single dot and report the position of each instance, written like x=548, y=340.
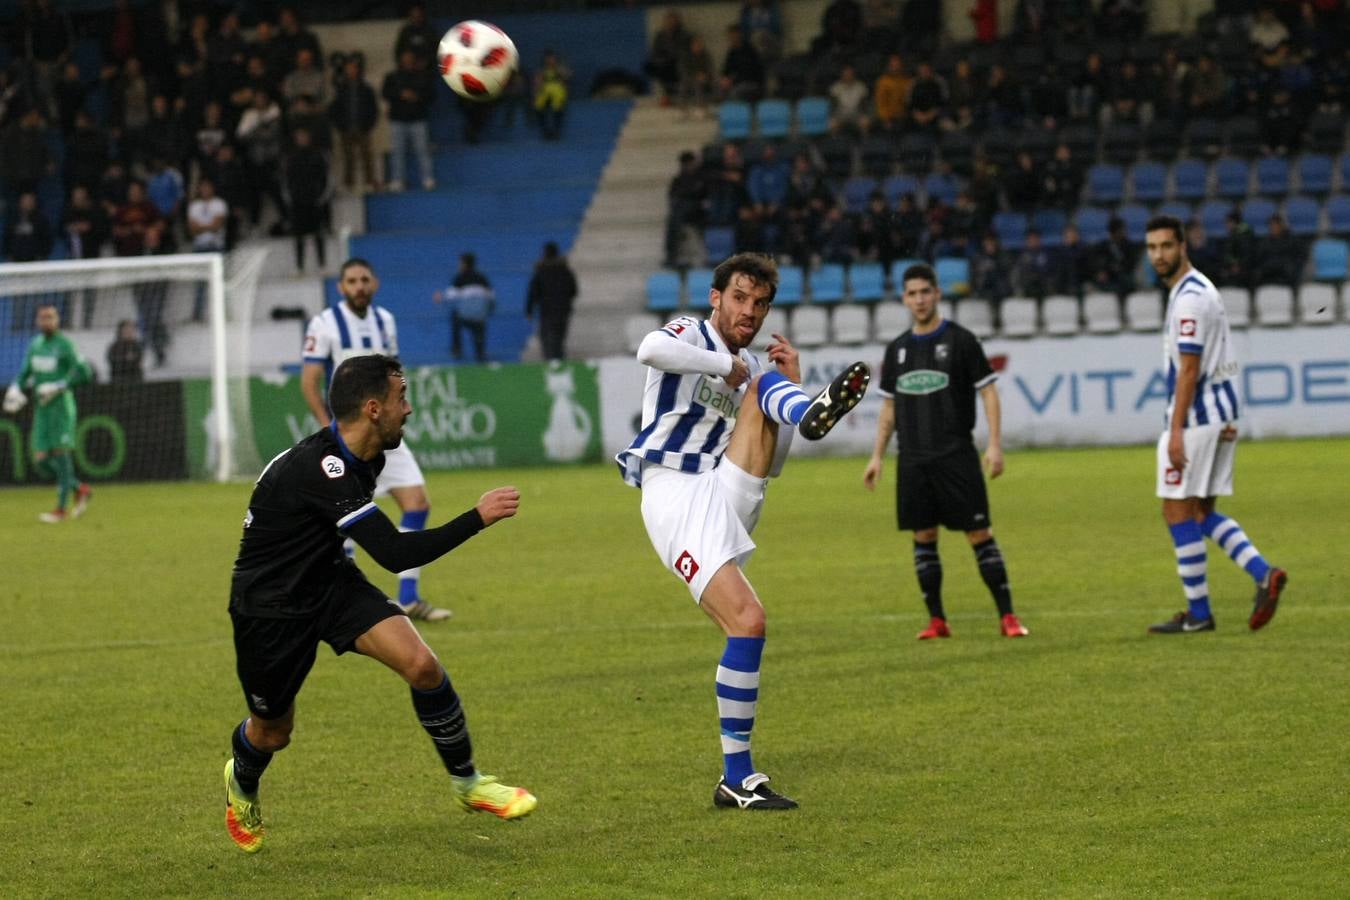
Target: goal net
x=165, y=336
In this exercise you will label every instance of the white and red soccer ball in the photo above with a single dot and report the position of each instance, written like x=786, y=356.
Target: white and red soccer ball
x=476, y=59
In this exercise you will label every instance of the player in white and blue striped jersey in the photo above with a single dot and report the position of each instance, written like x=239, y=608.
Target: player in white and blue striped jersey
x=358, y=327
x=1199, y=440
x=710, y=440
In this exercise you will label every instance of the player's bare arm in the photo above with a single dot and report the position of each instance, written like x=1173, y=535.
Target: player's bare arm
x=783, y=355
x=311, y=386
x=885, y=428
x=993, y=414
x=1187, y=376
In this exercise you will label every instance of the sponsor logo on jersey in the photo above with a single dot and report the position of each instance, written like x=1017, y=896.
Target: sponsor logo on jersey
x=1172, y=476
x=685, y=567
x=725, y=403
x=1187, y=328
x=941, y=352
x=333, y=467
x=922, y=381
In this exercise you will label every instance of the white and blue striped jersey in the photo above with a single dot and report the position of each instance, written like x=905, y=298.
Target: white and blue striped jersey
x=1197, y=325
x=337, y=334
x=686, y=418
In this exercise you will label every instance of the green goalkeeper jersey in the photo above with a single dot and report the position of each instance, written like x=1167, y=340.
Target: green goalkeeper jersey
x=55, y=359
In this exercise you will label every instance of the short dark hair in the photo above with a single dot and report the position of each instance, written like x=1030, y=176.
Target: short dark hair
x=922, y=271
x=468, y=259
x=758, y=267
x=359, y=379
x=1163, y=223
x=354, y=261
x=551, y=250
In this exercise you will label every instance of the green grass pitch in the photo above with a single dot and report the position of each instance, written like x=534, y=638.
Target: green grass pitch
x=1088, y=760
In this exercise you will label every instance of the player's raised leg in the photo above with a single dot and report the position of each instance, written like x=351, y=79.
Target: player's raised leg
x=1270, y=580
x=396, y=643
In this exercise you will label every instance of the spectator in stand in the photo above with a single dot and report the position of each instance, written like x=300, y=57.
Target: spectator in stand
x=1202, y=253
x=873, y=231
x=1206, y=89
x=112, y=188
x=1280, y=256
x=989, y=269
x=726, y=188
x=848, y=102
x=1047, y=99
x=742, y=69
x=552, y=292
x=409, y=92
x=670, y=43
x=983, y=189
x=471, y=302
x=1173, y=78
x=46, y=35
x=697, y=80
x=1122, y=18
x=165, y=137
x=86, y=228
x=354, y=113
x=881, y=24
x=208, y=218
x=1129, y=95
x=963, y=90
x=227, y=173
x=1023, y=185
x=164, y=187
x=762, y=25
x=267, y=48
x=130, y=113
x=984, y=13
x=1068, y=263
x=1088, y=89
x=24, y=158
x=1114, y=260
x=687, y=194
x=227, y=57
x=550, y=94
x=835, y=240
x=71, y=93
x=1281, y=124
x=1032, y=21
x=1333, y=79
x=293, y=38
x=28, y=236
x=767, y=186
x=1001, y=104
x=304, y=115
x=1237, y=253
x=840, y=28
x=306, y=79
x=927, y=97
x=964, y=216
x=1063, y=179
x=1033, y=275
x=193, y=46
x=243, y=91
x=907, y=227
x=211, y=133
x=418, y=35
x=137, y=230
x=87, y=152
x=126, y=355
x=749, y=235
x=1267, y=31
x=892, y=93
x=261, y=139
x=308, y=189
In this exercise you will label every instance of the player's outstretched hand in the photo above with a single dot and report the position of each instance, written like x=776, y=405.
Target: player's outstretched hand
x=497, y=504
x=739, y=374
x=872, y=474
x=783, y=355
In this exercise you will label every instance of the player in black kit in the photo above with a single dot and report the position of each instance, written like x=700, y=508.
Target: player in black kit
x=931, y=374
x=293, y=587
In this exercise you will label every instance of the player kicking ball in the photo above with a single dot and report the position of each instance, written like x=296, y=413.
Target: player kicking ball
x=294, y=586
x=712, y=436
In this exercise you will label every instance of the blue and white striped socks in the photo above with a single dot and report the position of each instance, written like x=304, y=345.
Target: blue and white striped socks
x=1189, y=543
x=737, y=693
x=409, y=579
x=1230, y=537
x=782, y=400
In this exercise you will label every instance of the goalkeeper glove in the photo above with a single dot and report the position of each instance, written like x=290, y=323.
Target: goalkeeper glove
x=14, y=399
x=48, y=390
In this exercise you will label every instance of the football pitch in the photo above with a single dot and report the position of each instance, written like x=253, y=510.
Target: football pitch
x=1089, y=759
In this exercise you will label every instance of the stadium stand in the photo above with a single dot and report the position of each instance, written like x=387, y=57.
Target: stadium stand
x=850, y=324
x=1274, y=305
x=1018, y=317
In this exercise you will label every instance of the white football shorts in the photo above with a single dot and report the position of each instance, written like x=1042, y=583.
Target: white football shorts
x=699, y=522
x=1209, y=470
x=400, y=471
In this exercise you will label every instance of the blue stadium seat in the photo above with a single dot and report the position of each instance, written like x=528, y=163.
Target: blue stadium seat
x=719, y=242
x=1314, y=173
x=856, y=192
x=1231, y=177
x=1304, y=216
x=791, y=286
x=827, y=284
x=733, y=120
x=1331, y=260
x=1136, y=219
x=1212, y=215
x=1190, y=180
x=663, y=292
x=1344, y=166
x=1011, y=228
x=1105, y=183
x=1257, y=212
x=953, y=274
x=941, y=186
x=1050, y=223
x=1149, y=182
x=1182, y=211
x=697, y=283
x=898, y=186
x=1272, y=176
x=867, y=282
x=1091, y=222
x=1338, y=214
x=773, y=118
x=813, y=116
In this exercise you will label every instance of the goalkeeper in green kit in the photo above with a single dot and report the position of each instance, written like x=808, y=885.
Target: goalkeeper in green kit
x=51, y=368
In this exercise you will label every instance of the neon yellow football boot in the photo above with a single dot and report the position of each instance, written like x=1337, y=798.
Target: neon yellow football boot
x=243, y=814
x=488, y=795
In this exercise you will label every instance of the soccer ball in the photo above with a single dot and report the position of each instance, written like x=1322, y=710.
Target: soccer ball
x=477, y=60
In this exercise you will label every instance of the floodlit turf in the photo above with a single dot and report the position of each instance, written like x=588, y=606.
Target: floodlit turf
x=1089, y=759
